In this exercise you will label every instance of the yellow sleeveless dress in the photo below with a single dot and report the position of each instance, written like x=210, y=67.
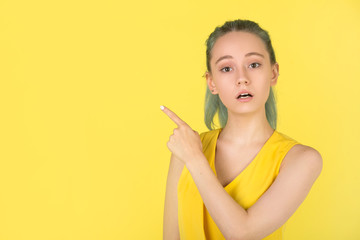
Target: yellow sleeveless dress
x=195, y=221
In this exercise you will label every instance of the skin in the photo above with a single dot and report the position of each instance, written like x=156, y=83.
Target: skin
x=247, y=123
x=246, y=127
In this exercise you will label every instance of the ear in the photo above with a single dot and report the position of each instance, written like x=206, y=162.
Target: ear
x=210, y=83
x=275, y=74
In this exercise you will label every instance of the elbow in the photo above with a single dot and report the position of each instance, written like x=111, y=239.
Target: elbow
x=243, y=236
x=239, y=234
x=240, y=237
x=243, y=230
x=243, y=233
x=237, y=237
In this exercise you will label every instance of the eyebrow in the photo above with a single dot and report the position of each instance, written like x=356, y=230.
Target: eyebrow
x=246, y=55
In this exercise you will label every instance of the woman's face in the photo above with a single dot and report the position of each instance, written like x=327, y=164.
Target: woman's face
x=236, y=65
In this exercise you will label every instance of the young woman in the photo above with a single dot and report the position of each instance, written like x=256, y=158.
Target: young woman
x=245, y=179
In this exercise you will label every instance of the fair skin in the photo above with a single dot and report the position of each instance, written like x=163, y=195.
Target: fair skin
x=246, y=130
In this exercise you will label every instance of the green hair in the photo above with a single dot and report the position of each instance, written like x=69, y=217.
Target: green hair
x=213, y=104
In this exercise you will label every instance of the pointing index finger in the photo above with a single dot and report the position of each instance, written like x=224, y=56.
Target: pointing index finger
x=172, y=116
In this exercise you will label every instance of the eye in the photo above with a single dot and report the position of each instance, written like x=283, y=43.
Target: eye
x=255, y=63
x=226, y=69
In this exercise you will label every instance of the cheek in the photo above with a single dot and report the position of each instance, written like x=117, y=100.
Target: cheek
x=224, y=87
x=266, y=92
x=227, y=95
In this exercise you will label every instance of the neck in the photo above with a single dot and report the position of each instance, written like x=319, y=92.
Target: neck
x=246, y=129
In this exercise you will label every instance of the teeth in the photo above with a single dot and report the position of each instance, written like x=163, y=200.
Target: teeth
x=244, y=95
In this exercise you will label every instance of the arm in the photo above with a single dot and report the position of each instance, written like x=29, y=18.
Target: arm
x=273, y=208
x=170, y=220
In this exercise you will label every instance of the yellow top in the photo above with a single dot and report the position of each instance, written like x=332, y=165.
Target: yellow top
x=195, y=221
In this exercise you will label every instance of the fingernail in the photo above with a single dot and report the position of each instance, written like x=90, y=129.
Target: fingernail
x=161, y=107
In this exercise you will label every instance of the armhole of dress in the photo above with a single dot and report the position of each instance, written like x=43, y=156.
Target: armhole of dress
x=287, y=149
x=180, y=181
x=179, y=196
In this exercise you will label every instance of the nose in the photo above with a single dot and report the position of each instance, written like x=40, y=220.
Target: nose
x=242, y=78
x=242, y=81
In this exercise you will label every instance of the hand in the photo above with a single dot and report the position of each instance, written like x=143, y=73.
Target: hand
x=185, y=143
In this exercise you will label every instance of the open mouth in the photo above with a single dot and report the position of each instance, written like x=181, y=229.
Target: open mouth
x=244, y=95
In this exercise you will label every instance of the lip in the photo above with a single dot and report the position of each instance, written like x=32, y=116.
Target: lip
x=244, y=91
x=244, y=99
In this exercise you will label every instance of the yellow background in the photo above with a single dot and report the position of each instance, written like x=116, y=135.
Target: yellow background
x=83, y=150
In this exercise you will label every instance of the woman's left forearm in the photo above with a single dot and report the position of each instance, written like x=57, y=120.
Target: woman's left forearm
x=227, y=214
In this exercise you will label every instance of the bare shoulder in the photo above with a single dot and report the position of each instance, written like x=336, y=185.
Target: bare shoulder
x=306, y=156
